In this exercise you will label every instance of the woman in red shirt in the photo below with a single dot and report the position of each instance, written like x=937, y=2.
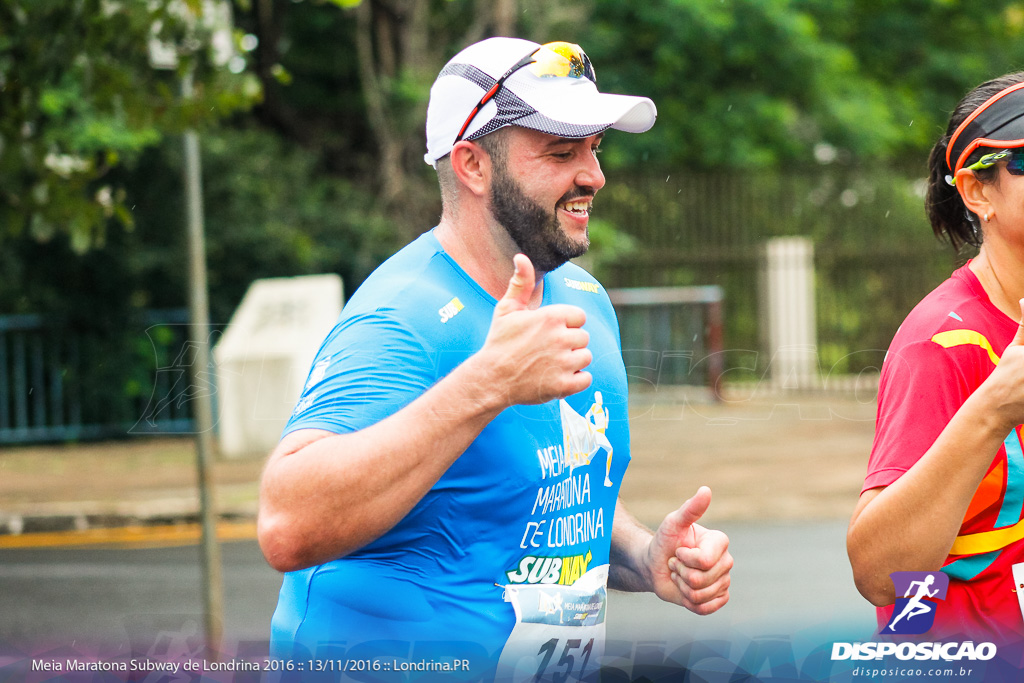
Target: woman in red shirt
x=945, y=483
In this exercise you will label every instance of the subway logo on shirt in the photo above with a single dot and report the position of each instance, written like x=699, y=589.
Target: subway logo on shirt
x=551, y=570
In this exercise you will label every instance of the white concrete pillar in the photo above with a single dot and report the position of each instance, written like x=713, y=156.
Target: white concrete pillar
x=788, y=312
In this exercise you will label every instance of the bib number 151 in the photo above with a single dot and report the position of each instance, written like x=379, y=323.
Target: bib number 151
x=565, y=668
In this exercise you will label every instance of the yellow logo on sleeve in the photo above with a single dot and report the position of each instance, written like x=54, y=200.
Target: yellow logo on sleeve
x=583, y=286
x=450, y=310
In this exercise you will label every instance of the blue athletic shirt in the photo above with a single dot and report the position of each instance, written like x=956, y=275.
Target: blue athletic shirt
x=515, y=535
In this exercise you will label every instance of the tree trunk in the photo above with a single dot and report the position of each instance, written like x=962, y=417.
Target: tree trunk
x=376, y=91
x=505, y=17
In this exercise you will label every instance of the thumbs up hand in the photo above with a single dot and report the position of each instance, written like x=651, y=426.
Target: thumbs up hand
x=688, y=564
x=535, y=355
x=520, y=287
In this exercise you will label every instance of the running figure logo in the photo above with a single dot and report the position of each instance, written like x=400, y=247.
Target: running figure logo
x=597, y=416
x=914, y=613
x=584, y=435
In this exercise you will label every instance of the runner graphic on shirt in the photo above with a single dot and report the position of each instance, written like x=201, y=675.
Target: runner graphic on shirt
x=598, y=419
x=584, y=436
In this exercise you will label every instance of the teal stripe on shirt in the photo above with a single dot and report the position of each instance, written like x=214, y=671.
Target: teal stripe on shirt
x=1013, y=499
x=967, y=568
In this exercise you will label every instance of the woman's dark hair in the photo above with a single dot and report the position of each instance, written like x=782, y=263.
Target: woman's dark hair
x=949, y=216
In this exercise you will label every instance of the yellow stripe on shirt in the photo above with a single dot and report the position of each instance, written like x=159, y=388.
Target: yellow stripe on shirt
x=953, y=338
x=987, y=541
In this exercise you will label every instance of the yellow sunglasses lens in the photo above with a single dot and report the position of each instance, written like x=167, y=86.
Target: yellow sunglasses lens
x=561, y=60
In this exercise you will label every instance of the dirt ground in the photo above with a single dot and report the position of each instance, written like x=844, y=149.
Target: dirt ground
x=148, y=476
x=784, y=457
x=781, y=457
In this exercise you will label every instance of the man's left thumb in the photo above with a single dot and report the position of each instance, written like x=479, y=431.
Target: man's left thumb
x=693, y=509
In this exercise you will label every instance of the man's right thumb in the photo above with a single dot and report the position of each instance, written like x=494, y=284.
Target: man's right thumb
x=521, y=285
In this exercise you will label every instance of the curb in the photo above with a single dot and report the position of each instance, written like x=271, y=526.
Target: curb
x=89, y=516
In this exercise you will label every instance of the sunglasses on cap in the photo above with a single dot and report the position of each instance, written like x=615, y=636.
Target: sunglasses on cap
x=552, y=60
x=1014, y=159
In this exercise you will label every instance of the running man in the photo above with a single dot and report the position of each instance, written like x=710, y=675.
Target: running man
x=422, y=493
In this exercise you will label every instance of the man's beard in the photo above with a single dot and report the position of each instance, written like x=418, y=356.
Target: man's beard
x=535, y=230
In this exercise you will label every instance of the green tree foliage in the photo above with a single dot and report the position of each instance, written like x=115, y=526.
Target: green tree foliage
x=270, y=211
x=743, y=83
x=923, y=55
x=739, y=84
x=761, y=83
x=78, y=98
x=350, y=81
x=325, y=172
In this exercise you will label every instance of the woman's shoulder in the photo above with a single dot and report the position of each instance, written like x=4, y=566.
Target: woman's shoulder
x=959, y=303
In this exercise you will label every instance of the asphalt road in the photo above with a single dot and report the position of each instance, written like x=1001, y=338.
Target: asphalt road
x=103, y=595
x=789, y=578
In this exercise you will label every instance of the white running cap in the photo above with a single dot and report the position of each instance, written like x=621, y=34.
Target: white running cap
x=567, y=106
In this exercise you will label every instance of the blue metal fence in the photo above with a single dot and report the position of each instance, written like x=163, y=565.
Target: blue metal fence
x=62, y=384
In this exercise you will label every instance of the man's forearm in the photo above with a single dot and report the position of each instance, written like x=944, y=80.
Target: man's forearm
x=324, y=495
x=628, y=555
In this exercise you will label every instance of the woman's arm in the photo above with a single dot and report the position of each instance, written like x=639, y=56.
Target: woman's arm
x=911, y=524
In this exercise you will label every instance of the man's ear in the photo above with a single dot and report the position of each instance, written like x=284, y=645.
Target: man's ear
x=973, y=192
x=472, y=166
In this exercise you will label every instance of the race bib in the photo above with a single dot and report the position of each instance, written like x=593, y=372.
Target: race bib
x=559, y=630
x=1018, y=585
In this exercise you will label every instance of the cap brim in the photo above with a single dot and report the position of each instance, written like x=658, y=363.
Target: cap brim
x=999, y=122
x=630, y=114
x=580, y=105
